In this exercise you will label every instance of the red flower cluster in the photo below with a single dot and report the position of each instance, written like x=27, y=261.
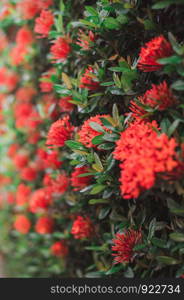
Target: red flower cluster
x=40, y=199
x=22, y=224
x=44, y=23
x=85, y=41
x=46, y=84
x=60, y=49
x=144, y=155
x=25, y=93
x=26, y=116
x=28, y=173
x=29, y=8
x=80, y=182
x=49, y=159
x=65, y=105
x=87, y=133
x=89, y=80
x=82, y=228
x=59, y=132
x=155, y=49
x=60, y=184
x=44, y=225
x=59, y=249
x=22, y=194
x=159, y=96
x=20, y=160
x=8, y=78
x=124, y=244
x=24, y=39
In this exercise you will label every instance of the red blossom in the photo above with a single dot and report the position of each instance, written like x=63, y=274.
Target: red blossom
x=60, y=184
x=60, y=49
x=65, y=105
x=59, y=249
x=59, y=132
x=46, y=84
x=159, y=96
x=25, y=93
x=28, y=173
x=29, y=8
x=44, y=225
x=22, y=194
x=144, y=155
x=50, y=159
x=155, y=49
x=87, y=133
x=22, y=224
x=124, y=244
x=80, y=182
x=40, y=199
x=24, y=36
x=89, y=80
x=20, y=160
x=82, y=228
x=85, y=41
x=44, y=23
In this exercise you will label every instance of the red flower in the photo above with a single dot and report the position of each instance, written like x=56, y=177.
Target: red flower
x=82, y=228
x=29, y=8
x=89, y=80
x=22, y=224
x=26, y=116
x=50, y=159
x=60, y=184
x=40, y=199
x=80, y=182
x=87, y=133
x=59, y=249
x=44, y=23
x=11, y=198
x=6, y=11
x=8, y=78
x=12, y=150
x=59, y=132
x=155, y=49
x=124, y=244
x=46, y=84
x=25, y=93
x=144, y=155
x=85, y=41
x=20, y=160
x=44, y=225
x=22, y=194
x=60, y=49
x=65, y=105
x=28, y=173
x=24, y=36
x=159, y=96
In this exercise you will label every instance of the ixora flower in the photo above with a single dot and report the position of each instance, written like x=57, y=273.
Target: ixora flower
x=59, y=132
x=49, y=159
x=60, y=184
x=28, y=173
x=44, y=23
x=82, y=228
x=22, y=224
x=85, y=41
x=29, y=8
x=25, y=93
x=144, y=155
x=40, y=199
x=159, y=96
x=60, y=49
x=65, y=104
x=89, y=80
x=87, y=133
x=24, y=36
x=44, y=225
x=80, y=182
x=59, y=249
x=46, y=84
x=155, y=49
x=124, y=244
x=22, y=194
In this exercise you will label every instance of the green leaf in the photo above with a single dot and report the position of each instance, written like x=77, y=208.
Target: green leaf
x=97, y=189
x=111, y=23
x=159, y=243
x=178, y=85
x=104, y=212
x=75, y=145
x=170, y=60
x=106, y=146
x=97, y=127
x=139, y=247
x=177, y=237
x=152, y=227
x=91, y=10
x=97, y=139
x=167, y=260
x=173, y=127
x=166, y=3
x=98, y=161
x=97, y=201
x=115, y=269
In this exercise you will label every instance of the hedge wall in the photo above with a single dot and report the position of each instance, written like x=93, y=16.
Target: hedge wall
x=92, y=138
